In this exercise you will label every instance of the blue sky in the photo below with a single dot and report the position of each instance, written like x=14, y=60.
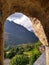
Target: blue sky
x=21, y=19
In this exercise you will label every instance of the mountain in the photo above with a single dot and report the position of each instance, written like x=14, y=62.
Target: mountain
x=16, y=34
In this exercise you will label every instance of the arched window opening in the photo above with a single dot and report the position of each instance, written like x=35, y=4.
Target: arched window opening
x=19, y=38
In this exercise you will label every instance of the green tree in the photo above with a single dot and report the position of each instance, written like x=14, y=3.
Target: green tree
x=35, y=54
x=11, y=53
x=19, y=60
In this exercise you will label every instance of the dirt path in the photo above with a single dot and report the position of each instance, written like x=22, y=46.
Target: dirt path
x=41, y=60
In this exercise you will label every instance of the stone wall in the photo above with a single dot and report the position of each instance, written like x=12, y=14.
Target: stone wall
x=32, y=8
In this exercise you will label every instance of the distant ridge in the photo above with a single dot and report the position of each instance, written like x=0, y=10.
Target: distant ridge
x=17, y=34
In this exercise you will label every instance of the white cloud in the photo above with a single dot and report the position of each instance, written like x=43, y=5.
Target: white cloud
x=21, y=19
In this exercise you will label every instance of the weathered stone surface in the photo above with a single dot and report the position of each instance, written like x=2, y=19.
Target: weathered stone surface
x=39, y=31
x=41, y=60
x=32, y=8
x=47, y=55
x=6, y=61
x=1, y=43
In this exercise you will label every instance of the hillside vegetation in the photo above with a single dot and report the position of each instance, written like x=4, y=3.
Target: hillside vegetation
x=23, y=54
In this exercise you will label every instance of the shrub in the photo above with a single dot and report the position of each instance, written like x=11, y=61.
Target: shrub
x=38, y=44
x=11, y=53
x=35, y=54
x=19, y=60
x=28, y=47
x=15, y=51
x=19, y=50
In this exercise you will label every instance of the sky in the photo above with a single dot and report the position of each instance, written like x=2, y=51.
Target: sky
x=21, y=19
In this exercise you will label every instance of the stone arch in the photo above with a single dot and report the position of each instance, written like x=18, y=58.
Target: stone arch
x=29, y=8
x=32, y=8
